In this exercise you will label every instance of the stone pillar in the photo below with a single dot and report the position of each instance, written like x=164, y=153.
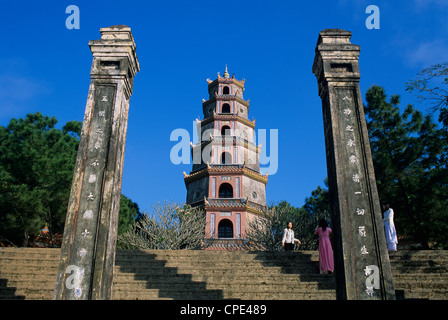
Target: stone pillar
x=87, y=257
x=361, y=257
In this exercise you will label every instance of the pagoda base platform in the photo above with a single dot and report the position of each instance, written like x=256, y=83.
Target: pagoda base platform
x=225, y=244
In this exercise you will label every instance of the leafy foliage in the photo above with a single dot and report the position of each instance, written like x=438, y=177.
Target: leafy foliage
x=129, y=213
x=409, y=155
x=36, y=169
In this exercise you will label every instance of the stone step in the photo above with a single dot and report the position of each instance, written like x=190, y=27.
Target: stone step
x=418, y=293
x=34, y=263
x=10, y=294
x=40, y=284
x=155, y=294
x=419, y=262
x=193, y=256
x=156, y=255
x=18, y=280
x=215, y=262
x=22, y=272
x=197, y=255
x=31, y=252
x=210, y=268
x=420, y=276
x=419, y=253
x=120, y=279
x=201, y=259
x=28, y=294
x=201, y=287
x=202, y=253
x=421, y=285
x=127, y=277
x=419, y=269
x=237, y=286
x=30, y=269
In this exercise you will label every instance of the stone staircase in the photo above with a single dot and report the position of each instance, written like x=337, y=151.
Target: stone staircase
x=29, y=273
x=420, y=274
x=220, y=275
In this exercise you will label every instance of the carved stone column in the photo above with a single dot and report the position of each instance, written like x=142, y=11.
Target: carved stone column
x=87, y=258
x=361, y=257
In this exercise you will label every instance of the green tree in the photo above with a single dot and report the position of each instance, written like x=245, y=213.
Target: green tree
x=36, y=169
x=129, y=213
x=409, y=155
x=315, y=208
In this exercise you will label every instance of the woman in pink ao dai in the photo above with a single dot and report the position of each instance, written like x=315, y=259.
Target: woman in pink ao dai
x=326, y=262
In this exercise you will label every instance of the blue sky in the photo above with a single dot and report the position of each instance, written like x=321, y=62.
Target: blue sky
x=45, y=67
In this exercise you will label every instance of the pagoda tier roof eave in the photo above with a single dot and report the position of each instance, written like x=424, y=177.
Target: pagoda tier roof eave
x=239, y=83
x=246, y=206
x=232, y=208
x=207, y=171
x=232, y=116
x=234, y=142
x=226, y=97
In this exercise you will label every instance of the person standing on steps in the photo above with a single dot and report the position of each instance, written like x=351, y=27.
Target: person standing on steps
x=389, y=228
x=326, y=262
x=288, y=238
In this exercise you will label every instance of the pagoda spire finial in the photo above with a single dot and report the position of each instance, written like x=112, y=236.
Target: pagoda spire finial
x=226, y=74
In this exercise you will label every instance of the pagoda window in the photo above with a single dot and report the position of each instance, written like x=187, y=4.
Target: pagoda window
x=225, y=108
x=225, y=131
x=225, y=229
x=225, y=90
x=225, y=190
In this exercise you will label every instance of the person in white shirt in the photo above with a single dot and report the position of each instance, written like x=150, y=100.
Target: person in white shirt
x=288, y=238
x=389, y=228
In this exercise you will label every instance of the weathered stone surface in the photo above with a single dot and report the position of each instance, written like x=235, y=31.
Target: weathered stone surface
x=360, y=247
x=88, y=250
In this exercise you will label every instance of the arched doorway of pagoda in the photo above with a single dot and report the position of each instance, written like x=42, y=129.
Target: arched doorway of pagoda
x=225, y=229
x=225, y=190
x=225, y=108
x=225, y=131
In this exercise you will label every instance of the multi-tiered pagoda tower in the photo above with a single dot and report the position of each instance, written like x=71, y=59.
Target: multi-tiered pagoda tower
x=226, y=179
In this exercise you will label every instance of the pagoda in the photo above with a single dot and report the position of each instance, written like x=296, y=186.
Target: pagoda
x=226, y=180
